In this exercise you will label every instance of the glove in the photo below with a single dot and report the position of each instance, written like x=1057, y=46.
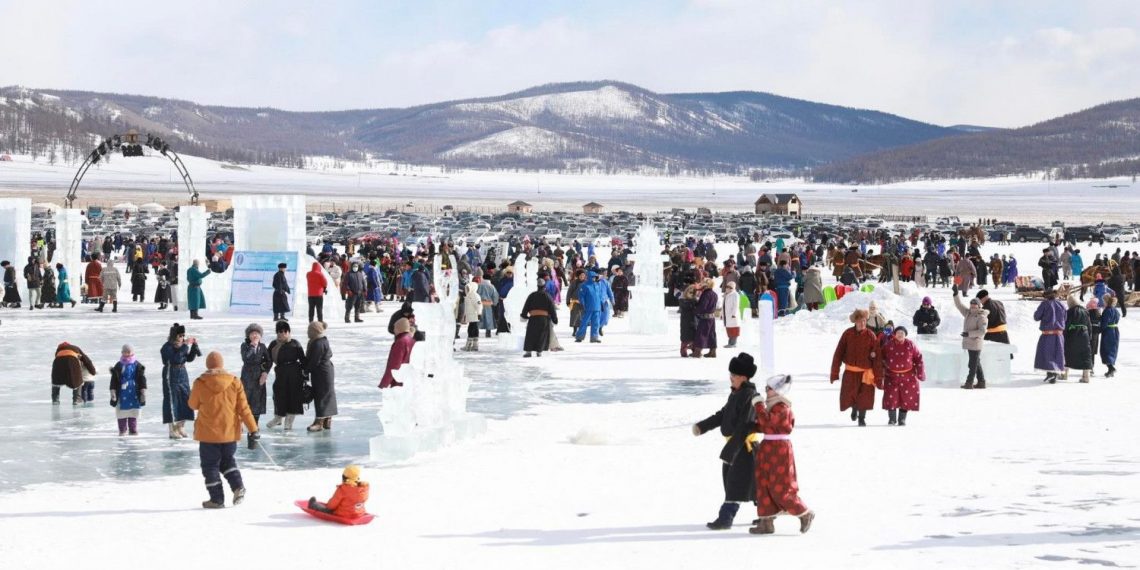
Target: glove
x=696, y=429
x=252, y=439
x=113, y=401
x=752, y=441
x=965, y=334
x=142, y=397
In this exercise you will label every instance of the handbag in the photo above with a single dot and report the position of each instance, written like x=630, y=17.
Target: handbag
x=307, y=396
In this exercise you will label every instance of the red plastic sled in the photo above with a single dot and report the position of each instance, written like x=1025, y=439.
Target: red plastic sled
x=363, y=519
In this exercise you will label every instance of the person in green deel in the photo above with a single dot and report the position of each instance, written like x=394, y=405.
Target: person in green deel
x=195, y=300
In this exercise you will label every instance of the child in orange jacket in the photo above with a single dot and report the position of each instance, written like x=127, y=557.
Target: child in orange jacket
x=348, y=500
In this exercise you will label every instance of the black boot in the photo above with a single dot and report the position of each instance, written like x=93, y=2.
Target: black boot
x=724, y=518
x=1111, y=371
x=902, y=417
x=862, y=418
x=854, y=414
x=115, y=307
x=55, y=395
x=891, y=418
x=100, y=308
x=488, y=334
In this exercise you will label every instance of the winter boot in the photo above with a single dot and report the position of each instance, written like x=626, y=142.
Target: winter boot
x=696, y=352
x=55, y=395
x=276, y=421
x=239, y=496
x=346, y=317
x=76, y=397
x=891, y=418
x=122, y=427
x=327, y=423
x=981, y=385
x=764, y=525
x=316, y=426
x=289, y=422
x=488, y=334
x=114, y=306
x=475, y=344
x=1084, y=377
x=175, y=307
x=100, y=307
x=684, y=350
x=526, y=354
x=902, y=417
x=711, y=353
x=181, y=427
x=596, y=339
x=173, y=431
x=862, y=418
x=724, y=518
x=1111, y=371
x=854, y=414
x=133, y=426
x=807, y=518
x=1051, y=377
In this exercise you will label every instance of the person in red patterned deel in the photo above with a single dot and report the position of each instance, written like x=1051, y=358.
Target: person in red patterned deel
x=902, y=371
x=777, y=491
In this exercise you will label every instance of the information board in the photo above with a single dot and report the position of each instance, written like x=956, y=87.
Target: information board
x=252, y=290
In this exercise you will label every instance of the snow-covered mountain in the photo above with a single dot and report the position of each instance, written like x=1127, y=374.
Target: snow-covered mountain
x=597, y=125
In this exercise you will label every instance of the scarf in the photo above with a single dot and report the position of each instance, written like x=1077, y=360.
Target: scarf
x=772, y=401
x=127, y=360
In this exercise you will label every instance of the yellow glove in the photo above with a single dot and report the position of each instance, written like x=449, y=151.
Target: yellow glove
x=753, y=440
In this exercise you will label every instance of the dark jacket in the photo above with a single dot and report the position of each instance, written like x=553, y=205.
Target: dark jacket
x=319, y=365
x=926, y=320
x=736, y=421
x=1078, y=349
x=254, y=362
x=68, y=366
x=288, y=372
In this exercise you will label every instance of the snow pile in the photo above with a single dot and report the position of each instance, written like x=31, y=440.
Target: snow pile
x=519, y=141
x=607, y=103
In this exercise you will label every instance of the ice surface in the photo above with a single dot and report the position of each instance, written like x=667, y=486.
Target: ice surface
x=15, y=237
x=430, y=410
x=647, y=297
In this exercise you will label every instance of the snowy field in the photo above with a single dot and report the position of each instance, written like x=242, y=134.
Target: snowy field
x=154, y=179
x=588, y=461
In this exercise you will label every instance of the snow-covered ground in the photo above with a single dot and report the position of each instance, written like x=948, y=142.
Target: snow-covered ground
x=588, y=461
x=153, y=178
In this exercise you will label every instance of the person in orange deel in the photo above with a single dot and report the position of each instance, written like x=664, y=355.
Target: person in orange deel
x=348, y=500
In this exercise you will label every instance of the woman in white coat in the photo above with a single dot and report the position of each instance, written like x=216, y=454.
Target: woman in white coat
x=730, y=313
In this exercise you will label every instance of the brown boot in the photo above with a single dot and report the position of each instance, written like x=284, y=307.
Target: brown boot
x=764, y=525
x=696, y=353
x=805, y=521
x=327, y=423
x=684, y=350
x=711, y=353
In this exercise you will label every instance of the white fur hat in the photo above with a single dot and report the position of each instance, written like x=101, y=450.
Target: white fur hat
x=780, y=383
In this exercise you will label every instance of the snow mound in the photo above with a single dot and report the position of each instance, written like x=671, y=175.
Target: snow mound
x=519, y=141
x=608, y=102
x=598, y=436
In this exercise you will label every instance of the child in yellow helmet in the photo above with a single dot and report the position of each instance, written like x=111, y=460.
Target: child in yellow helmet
x=348, y=500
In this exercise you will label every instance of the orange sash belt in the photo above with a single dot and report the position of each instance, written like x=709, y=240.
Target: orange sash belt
x=900, y=371
x=997, y=329
x=868, y=374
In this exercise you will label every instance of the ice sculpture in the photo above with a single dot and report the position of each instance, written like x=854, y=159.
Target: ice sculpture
x=430, y=410
x=276, y=223
x=647, y=298
x=767, y=340
x=69, y=246
x=946, y=363
x=513, y=304
x=193, y=227
x=16, y=237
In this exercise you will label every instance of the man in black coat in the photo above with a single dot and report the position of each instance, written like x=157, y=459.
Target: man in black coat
x=353, y=286
x=737, y=421
x=280, y=293
x=995, y=324
x=539, y=311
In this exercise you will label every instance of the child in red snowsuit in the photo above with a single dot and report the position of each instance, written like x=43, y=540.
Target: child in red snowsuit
x=776, y=488
x=348, y=500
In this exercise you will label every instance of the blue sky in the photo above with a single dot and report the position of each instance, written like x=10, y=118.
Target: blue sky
x=1000, y=62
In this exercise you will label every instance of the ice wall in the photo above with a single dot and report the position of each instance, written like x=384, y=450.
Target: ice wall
x=16, y=238
x=647, y=298
x=69, y=246
x=193, y=228
x=430, y=410
x=767, y=339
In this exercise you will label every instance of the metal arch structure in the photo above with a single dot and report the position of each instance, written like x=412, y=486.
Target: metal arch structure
x=130, y=146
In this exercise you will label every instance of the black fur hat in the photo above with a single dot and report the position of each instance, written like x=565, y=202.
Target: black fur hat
x=175, y=330
x=743, y=365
